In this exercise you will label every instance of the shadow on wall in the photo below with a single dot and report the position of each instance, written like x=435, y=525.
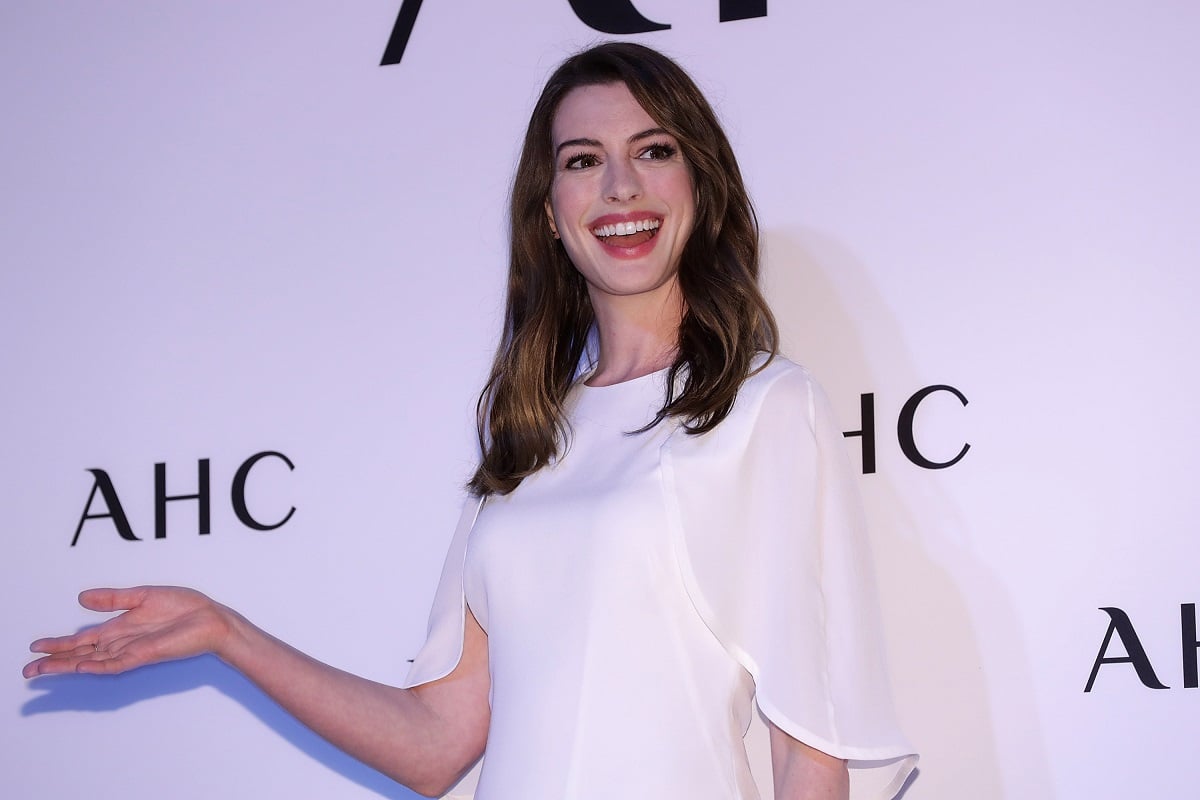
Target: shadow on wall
x=967, y=714
x=112, y=692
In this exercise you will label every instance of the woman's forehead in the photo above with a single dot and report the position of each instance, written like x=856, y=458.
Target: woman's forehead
x=594, y=109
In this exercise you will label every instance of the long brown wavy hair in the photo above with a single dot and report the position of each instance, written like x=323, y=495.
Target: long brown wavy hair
x=548, y=315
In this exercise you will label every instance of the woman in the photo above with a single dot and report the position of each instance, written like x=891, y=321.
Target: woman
x=662, y=526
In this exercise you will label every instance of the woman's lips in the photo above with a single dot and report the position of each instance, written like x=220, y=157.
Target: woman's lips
x=630, y=240
x=626, y=234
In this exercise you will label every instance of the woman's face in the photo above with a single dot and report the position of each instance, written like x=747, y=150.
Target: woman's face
x=622, y=198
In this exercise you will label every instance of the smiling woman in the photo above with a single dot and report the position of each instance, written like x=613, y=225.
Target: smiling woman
x=623, y=204
x=621, y=132
x=663, y=531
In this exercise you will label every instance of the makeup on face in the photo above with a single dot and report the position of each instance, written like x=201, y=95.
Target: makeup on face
x=622, y=199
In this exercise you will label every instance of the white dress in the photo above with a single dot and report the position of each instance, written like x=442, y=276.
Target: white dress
x=639, y=592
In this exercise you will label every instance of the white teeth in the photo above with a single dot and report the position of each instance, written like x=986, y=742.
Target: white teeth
x=626, y=228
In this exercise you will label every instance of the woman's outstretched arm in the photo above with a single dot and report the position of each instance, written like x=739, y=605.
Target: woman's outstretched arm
x=423, y=737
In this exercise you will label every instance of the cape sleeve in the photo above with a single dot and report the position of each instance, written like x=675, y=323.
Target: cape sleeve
x=443, y=645
x=773, y=549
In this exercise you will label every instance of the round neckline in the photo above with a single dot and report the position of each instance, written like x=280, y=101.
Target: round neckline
x=627, y=405
x=583, y=381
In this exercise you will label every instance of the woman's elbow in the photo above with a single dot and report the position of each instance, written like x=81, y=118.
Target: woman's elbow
x=436, y=775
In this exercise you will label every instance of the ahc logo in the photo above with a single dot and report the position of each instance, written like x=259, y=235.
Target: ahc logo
x=115, y=511
x=607, y=16
x=1135, y=654
x=905, y=429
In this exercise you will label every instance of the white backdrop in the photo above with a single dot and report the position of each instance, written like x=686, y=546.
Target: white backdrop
x=225, y=230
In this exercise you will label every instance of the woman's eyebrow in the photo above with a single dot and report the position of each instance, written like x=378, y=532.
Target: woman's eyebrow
x=585, y=142
x=646, y=134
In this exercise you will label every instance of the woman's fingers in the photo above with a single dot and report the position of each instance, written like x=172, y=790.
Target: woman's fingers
x=103, y=599
x=97, y=657
x=106, y=666
x=94, y=600
x=64, y=644
x=83, y=650
x=54, y=664
x=35, y=668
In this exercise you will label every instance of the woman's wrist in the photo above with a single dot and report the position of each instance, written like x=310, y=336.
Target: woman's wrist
x=232, y=636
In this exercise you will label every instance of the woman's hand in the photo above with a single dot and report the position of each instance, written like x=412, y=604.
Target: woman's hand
x=159, y=623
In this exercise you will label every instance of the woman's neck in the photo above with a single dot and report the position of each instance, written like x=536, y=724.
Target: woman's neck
x=638, y=335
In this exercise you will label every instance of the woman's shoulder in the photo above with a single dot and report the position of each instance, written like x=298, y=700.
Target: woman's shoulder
x=779, y=399
x=766, y=368
x=777, y=382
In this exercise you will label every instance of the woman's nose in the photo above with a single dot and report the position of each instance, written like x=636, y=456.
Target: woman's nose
x=622, y=182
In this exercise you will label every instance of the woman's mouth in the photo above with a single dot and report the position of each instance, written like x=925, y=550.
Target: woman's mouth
x=627, y=234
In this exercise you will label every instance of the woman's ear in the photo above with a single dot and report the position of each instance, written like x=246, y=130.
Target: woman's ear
x=550, y=219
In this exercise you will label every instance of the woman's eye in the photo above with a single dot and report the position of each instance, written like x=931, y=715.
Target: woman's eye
x=582, y=161
x=658, y=152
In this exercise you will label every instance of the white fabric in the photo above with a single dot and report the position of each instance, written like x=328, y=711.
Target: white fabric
x=764, y=521
x=608, y=684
